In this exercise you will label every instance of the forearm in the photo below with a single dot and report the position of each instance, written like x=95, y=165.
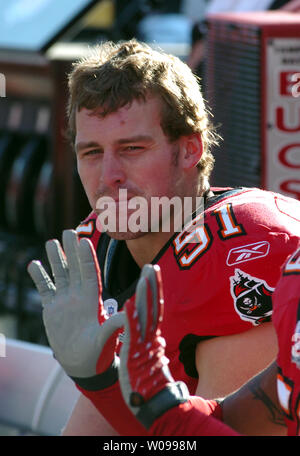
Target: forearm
x=193, y=418
x=254, y=409
x=111, y=405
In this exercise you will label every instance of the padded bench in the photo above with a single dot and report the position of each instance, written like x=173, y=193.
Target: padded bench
x=36, y=396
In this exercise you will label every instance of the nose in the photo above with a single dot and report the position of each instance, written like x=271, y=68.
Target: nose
x=112, y=171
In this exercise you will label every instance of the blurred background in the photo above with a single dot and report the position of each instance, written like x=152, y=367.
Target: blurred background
x=247, y=54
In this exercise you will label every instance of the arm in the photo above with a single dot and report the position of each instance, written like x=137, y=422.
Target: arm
x=216, y=359
x=161, y=405
x=259, y=395
x=254, y=409
x=226, y=363
x=194, y=416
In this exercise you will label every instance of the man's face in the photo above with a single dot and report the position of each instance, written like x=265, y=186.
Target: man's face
x=126, y=150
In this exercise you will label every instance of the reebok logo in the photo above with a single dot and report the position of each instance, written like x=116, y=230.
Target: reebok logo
x=248, y=252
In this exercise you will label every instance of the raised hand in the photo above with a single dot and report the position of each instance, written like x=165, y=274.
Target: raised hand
x=146, y=382
x=80, y=333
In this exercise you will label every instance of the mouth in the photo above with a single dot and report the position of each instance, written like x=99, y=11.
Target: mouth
x=122, y=198
x=111, y=205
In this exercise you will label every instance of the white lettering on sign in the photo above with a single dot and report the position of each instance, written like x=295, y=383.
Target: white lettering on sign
x=282, y=153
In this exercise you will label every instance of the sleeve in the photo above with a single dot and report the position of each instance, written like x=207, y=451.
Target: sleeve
x=196, y=417
x=110, y=403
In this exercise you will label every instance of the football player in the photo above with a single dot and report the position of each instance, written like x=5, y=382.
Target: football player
x=161, y=405
x=140, y=127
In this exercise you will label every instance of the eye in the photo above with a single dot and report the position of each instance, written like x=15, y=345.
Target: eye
x=91, y=152
x=133, y=148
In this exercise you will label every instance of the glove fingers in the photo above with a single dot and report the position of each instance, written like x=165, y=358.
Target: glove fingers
x=42, y=281
x=153, y=275
x=90, y=271
x=149, y=300
x=90, y=274
x=58, y=263
x=70, y=245
x=142, y=305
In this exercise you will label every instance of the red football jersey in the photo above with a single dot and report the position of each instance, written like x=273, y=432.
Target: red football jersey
x=286, y=319
x=218, y=273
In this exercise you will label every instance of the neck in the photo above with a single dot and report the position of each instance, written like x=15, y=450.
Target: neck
x=145, y=248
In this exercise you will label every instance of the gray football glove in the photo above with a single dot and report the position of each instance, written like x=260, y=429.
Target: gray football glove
x=80, y=333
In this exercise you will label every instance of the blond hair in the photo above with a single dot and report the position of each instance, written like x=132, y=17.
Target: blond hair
x=115, y=74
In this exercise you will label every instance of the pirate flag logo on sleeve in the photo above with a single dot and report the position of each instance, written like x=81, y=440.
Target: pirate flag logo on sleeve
x=252, y=297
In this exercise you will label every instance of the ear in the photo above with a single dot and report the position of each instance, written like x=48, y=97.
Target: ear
x=191, y=150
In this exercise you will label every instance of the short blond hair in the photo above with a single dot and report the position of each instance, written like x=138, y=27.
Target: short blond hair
x=112, y=75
